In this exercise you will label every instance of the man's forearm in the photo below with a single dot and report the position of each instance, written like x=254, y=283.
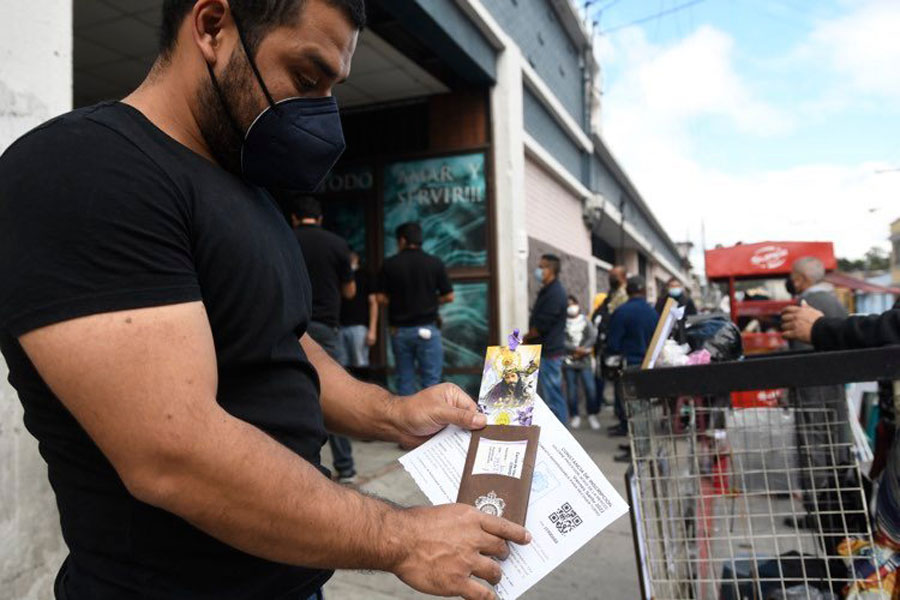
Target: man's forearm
x=247, y=490
x=351, y=407
x=373, y=313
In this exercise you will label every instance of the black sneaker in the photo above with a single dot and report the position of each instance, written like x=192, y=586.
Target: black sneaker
x=619, y=432
x=625, y=447
x=625, y=457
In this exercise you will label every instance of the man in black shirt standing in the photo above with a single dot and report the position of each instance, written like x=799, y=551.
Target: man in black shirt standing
x=155, y=328
x=359, y=319
x=547, y=326
x=413, y=284
x=327, y=258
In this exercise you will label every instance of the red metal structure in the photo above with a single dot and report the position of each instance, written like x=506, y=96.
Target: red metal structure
x=764, y=260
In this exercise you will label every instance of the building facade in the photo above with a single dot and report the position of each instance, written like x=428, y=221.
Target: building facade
x=476, y=118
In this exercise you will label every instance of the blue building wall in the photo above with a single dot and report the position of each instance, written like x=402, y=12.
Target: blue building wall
x=546, y=130
x=535, y=27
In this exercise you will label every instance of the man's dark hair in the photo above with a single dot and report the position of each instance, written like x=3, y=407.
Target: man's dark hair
x=411, y=232
x=553, y=261
x=256, y=17
x=305, y=207
x=635, y=285
x=573, y=299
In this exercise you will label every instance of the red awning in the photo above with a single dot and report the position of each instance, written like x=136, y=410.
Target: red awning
x=859, y=285
x=765, y=259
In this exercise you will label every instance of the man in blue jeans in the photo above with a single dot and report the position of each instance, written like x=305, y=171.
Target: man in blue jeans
x=413, y=284
x=631, y=328
x=547, y=326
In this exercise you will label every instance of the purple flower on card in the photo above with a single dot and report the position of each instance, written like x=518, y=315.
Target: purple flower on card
x=514, y=340
x=524, y=415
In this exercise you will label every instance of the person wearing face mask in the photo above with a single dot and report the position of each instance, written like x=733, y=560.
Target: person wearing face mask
x=327, y=259
x=157, y=331
x=547, y=327
x=675, y=290
x=577, y=366
x=604, y=379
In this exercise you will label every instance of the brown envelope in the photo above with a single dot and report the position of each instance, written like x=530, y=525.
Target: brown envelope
x=499, y=466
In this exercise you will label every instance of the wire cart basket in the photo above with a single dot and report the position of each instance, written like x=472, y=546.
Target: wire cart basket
x=760, y=503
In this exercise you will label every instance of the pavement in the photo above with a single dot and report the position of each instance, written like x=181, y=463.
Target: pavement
x=604, y=568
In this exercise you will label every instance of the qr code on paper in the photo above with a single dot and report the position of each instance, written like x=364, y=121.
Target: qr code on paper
x=565, y=518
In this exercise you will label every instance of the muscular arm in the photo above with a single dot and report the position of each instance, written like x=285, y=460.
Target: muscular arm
x=143, y=382
x=143, y=385
x=368, y=411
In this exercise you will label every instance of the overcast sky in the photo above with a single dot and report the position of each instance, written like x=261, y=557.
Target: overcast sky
x=767, y=119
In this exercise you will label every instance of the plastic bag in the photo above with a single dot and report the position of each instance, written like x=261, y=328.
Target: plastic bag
x=717, y=335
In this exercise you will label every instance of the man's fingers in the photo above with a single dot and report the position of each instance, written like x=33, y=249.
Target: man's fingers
x=491, y=545
x=461, y=417
x=487, y=569
x=459, y=398
x=505, y=529
x=472, y=590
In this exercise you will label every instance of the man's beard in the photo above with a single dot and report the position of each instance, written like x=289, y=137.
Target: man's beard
x=222, y=124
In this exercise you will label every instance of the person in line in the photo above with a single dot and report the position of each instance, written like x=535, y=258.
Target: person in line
x=577, y=366
x=600, y=318
x=327, y=258
x=156, y=333
x=358, y=319
x=413, y=284
x=547, y=326
x=631, y=328
x=815, y=434
x=675, y=290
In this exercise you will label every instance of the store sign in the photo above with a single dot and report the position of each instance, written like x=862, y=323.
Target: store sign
x=349, y=179
x=447, y=197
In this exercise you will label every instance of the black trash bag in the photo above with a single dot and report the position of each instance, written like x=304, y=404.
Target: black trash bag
x=717, y=334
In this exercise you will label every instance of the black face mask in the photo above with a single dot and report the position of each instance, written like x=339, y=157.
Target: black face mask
x=789, y=286
x=292, y=144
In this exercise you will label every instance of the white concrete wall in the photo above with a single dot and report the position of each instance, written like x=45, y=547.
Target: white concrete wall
x=35, y=84
x=553, y=213
x=509, y=184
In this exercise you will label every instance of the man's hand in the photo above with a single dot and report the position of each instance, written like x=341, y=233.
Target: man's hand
x=370, y=337
x=416, y=418
x=797, y=322
x=444, y=546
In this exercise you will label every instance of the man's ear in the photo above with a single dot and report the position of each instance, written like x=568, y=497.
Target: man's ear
x=210, y=22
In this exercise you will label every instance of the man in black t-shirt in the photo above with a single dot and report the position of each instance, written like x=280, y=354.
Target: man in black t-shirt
x=359, y=319
x=413, y=284
x=155, y=323
x=327, y=258
x=547, y=326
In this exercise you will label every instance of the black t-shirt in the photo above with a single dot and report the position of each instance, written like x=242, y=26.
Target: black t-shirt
x=413, y=280
x=101, y=211
x=548, y=316
x=328, y=262
x=356, y=310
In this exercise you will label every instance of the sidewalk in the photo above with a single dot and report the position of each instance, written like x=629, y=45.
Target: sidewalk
x=604, y=568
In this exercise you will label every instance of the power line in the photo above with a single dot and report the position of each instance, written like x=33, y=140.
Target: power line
x=651, y=17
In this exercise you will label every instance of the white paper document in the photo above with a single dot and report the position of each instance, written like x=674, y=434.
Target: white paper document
x=571, y=500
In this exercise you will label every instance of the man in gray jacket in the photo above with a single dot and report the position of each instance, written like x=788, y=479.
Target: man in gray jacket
x=580, y=337
x=823, y=427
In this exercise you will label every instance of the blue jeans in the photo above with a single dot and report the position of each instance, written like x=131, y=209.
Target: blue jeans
x=413, y=353
x=550, y=385
x=586, y=376
x=352, y=350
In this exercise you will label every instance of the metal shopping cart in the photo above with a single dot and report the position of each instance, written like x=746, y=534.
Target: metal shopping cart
x=757, y=503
